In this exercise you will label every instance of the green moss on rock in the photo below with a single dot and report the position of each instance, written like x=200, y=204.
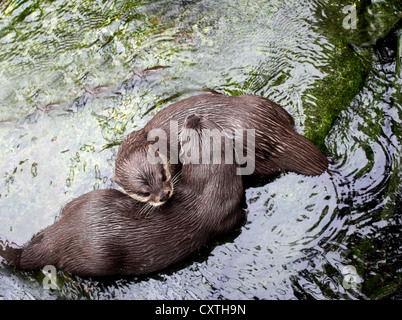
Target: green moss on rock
x=346, y=75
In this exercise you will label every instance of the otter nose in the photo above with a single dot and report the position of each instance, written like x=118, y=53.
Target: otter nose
x=164, y=197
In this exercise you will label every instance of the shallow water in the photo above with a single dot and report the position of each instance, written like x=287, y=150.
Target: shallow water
x=77, y=77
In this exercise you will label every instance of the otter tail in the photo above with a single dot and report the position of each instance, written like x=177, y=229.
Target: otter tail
x=10, y=254
x=302, y=156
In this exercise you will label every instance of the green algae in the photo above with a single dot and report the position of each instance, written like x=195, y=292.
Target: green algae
x=351, y=63
x=333, y=94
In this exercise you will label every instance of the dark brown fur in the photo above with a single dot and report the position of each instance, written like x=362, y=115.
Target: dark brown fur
x=104, y=232
x=278, y=147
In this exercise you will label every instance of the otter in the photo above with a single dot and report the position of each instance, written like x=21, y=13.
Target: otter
x=105, y=232
x=278, y=147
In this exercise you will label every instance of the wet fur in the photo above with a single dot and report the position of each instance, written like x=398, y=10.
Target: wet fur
x=278, y=147
x=106, y=232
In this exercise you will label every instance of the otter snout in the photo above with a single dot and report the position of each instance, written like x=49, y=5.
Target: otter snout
x=161, y=198
x=164, y=196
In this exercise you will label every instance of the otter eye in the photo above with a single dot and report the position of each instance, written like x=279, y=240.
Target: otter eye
x=143, y=194
x=164, y=176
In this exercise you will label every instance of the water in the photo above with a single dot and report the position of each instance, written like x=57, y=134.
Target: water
x=77, y=77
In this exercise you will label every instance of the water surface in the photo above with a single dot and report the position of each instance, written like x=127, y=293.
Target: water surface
x=76, y=77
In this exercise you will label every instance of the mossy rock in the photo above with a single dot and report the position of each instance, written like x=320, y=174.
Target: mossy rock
x=351, y=60
x=334, y=93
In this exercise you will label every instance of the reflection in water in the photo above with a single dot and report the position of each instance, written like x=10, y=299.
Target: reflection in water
x=73, y=85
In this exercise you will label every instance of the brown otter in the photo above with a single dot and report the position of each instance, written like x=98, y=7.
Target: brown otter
x=278, y=147
x=105, y=233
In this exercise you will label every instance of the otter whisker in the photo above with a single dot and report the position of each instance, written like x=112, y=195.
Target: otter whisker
x=146, y=209
x=176, y=178
x=145, y=213
x=143, y=208
x=150, y=210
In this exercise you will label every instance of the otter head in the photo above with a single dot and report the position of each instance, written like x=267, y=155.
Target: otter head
x=144, y=180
